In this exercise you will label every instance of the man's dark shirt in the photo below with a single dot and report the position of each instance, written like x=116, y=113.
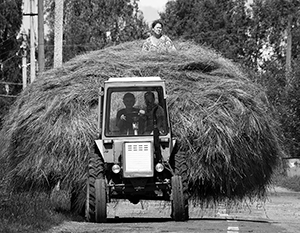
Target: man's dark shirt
x=125, y=125
x=160, y=115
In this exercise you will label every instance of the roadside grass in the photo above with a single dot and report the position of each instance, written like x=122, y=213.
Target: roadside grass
x=28, y=212
x=292, y=183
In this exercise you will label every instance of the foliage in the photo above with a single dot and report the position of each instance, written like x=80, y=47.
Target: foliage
x=92, y=25
x=255, y=36
x=272, y=17
x=292, y=183
x=290, y=120
x=285, y=92
x=10, y=23
x=28, y=212
x=221, y=24
x=5, y=103
x=240, y=32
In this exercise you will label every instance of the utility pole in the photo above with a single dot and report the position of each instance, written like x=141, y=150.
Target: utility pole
x=58, y=32
x=41, y=47
x=24, y=60
x=32, y=42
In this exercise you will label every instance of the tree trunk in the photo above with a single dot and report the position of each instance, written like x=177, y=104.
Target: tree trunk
x=32, y=44
x=41, y=50
x=288, y=66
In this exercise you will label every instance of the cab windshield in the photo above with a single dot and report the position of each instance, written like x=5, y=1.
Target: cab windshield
x=135, y=111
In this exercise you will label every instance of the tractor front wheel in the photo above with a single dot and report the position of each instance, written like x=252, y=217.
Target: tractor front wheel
x=179, y=184
x=96, y=206
x=178, y=200
x=101, y=201
x=96, y=191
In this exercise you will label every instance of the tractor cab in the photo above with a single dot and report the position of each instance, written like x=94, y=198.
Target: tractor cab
x=129, y=111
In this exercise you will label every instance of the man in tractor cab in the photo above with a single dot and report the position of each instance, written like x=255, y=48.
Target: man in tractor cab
x=151, y=108
x=125, y=116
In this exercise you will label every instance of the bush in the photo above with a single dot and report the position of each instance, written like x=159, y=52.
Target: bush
x=292, y=183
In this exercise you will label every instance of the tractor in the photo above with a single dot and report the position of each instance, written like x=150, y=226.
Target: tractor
x=142, y=162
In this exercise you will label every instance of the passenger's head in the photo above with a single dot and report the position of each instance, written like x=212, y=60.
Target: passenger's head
x=129, y=100
x=157, y=27
x=149, y=97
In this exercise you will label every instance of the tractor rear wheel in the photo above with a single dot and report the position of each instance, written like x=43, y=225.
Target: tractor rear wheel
x=96, y=192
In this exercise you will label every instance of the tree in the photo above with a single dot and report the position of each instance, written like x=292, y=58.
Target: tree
x=221, y=24
x=264, y=37
x=277, y=27
x=274, y=23
x=10, y=71
x=94, y=24
x=10, y=23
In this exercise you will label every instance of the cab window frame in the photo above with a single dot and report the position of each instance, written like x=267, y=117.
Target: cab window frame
x=108, y=128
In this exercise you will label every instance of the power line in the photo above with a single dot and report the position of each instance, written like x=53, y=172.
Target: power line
x=72, y=45
x=7, y=39
x=11, y=83
x=17, y=50
x=8, y=51
x=9, y=96
x=11, y=57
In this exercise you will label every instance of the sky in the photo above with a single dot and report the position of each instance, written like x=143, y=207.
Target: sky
x=151, y=8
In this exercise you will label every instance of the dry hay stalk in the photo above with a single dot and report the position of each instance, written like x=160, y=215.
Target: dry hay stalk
x=222, y=120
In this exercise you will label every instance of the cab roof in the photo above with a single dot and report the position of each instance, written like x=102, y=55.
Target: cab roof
x=134, y=79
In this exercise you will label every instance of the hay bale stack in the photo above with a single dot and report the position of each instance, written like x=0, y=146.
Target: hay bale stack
x=222, y=120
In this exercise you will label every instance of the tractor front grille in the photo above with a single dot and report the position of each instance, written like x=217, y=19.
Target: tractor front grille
x=138, y=159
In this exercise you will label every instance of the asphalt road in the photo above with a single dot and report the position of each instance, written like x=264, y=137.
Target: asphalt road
x=280, y=212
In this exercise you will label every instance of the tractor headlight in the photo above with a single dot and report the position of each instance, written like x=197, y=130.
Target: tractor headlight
x=116, y=168
x=159, y=167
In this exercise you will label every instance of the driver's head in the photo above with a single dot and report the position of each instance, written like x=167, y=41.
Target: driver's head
x=149, y=97
x=129, y=100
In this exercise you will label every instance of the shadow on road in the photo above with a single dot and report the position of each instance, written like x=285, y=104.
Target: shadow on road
x=137, y=220
x=159, y=220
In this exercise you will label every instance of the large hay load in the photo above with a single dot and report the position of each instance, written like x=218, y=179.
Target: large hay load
x=222, y=120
